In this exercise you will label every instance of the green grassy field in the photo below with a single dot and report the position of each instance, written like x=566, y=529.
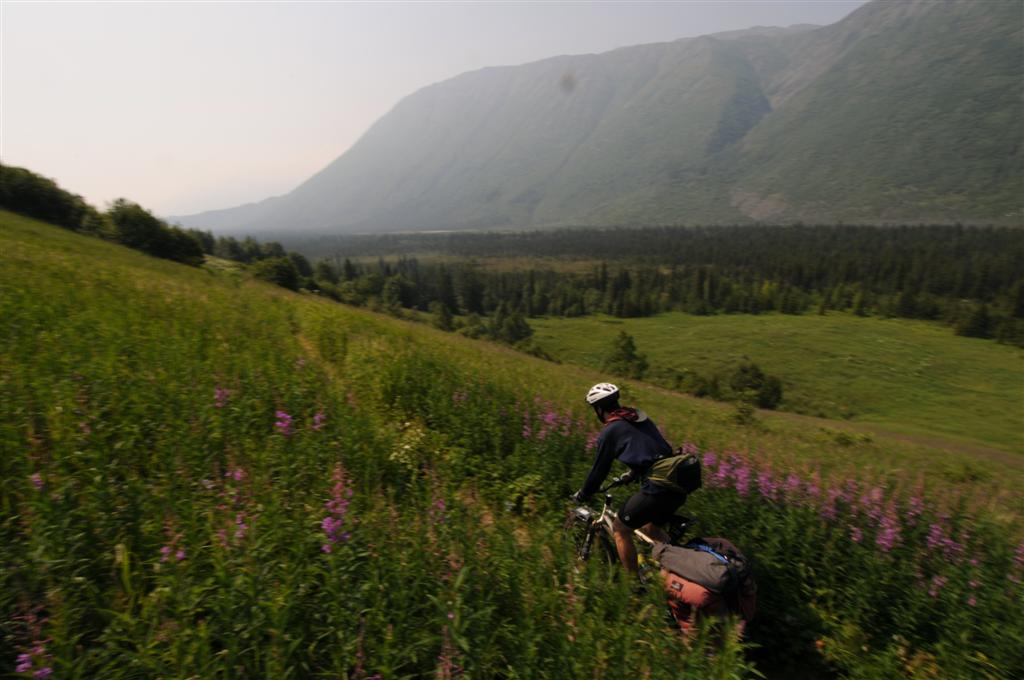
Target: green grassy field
x=908, y=376
x=208, y=476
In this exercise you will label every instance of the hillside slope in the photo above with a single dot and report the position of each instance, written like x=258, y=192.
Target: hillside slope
x=902, y=111
x=207, y=476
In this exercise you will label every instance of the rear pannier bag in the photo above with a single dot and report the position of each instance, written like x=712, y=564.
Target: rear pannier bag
x=680, y=473
x=713, y=563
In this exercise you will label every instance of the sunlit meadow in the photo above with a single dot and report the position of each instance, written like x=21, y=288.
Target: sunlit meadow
x=205, y=476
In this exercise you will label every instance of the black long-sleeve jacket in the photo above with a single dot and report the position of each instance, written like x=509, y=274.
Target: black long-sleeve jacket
x=637, y=443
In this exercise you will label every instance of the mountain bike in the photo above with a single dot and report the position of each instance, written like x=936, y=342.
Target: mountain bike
x=587, y=528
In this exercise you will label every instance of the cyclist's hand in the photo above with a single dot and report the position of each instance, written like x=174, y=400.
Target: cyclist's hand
x=624, y=478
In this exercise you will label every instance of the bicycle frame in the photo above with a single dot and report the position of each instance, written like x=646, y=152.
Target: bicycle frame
x=592, y=523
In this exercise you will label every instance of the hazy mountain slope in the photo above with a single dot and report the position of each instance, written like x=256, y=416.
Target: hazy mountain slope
x=895, y=131
x=903, y=110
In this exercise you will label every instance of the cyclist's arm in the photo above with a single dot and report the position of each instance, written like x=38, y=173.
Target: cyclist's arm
x=606, y=455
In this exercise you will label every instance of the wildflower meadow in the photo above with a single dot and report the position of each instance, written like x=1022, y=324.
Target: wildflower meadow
x=205, y=476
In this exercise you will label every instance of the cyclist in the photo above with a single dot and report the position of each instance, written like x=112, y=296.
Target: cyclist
x=631, y=437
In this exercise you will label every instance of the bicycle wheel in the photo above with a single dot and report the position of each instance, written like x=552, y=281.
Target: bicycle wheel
x=579, y=535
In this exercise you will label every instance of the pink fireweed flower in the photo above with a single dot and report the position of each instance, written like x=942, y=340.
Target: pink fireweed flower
x=238, y=474
x=888, y=533
x=437, y=511
x=220, y=396
x=828, y=508
x=721, y=475
x=165, y=553
x=283, y=424
x=241, y=528
x=936, y=536
x=709, y=459
x=938, y=582
x=793, y=484
x=36, y=656
x=180, y=555
x=742, y=478
x=871, y=503
x=813, y=487
x=972, y=601
x=318, y=421
x=527, y=430
x=689, y=449
x=337, y=507
x=767, y=484
x=856, y=535
x=37, y=480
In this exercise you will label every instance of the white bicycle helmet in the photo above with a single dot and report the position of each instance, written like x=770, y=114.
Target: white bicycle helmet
x=601, y=391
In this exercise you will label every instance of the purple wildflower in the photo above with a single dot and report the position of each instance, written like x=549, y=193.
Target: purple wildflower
x=241, y=528
x=915, y=507
x=318, y=420
x=938, y=582
x=283, y=425
x=828, y=508
x=165, y=553
x=856, y=535
x=220, y=396
x=793, y=484
x=437, y=511
x=180, y=554
x=936, y=536
x=742, y=478
x=26, y=661
x=813, y=487
x=709, y=460
x=721, y=475
x=871, y=503
x=689, y=449
x=337, y=508
x=767, y=484
x=972, y=601
x=37, y=480
x=888, y=533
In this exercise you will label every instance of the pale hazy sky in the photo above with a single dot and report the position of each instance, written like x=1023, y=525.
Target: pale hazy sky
x=190, y=106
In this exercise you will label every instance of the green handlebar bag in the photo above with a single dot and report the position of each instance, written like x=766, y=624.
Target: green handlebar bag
x=680, y=473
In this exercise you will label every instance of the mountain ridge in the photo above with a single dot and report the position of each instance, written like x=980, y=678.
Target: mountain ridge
x=901, y=111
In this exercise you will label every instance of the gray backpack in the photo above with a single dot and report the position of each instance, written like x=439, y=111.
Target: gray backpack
x=714, y=563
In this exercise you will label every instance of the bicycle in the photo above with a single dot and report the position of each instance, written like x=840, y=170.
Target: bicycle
x=584, y=526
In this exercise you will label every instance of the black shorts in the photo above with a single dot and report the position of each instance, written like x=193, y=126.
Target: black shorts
x=642, y=508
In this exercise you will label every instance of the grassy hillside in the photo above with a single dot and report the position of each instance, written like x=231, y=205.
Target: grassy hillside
x=909, y=376
x=205, y=476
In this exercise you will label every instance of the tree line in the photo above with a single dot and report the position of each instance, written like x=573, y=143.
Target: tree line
x=994, y=309
x=125, y=222
x=971, y=278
